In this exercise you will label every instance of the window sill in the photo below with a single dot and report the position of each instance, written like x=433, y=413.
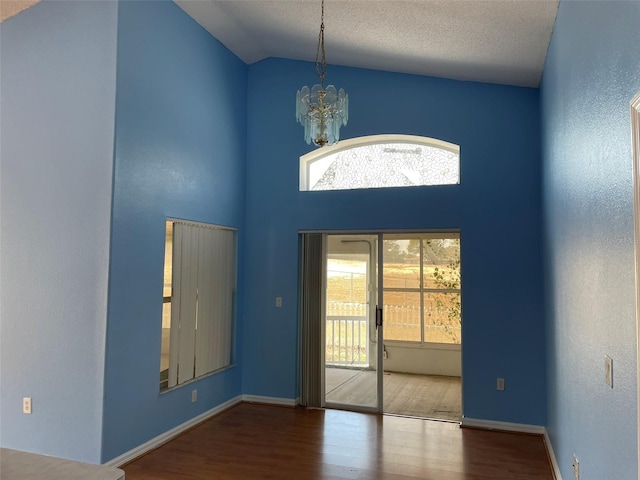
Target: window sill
x=194, y=380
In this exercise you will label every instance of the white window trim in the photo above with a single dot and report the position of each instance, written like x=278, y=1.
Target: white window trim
x=317, y=155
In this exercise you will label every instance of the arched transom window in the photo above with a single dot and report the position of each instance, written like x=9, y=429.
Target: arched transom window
x=381, y=161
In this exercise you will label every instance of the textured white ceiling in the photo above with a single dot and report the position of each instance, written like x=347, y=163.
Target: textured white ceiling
x=495, y=41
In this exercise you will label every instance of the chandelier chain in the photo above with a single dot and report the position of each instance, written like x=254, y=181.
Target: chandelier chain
x=321, y=62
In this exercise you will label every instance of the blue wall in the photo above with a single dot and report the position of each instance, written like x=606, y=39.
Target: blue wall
x=592, y=72
x=180, y=152
x=58, y=64
x=186, y=147
x=496, y=207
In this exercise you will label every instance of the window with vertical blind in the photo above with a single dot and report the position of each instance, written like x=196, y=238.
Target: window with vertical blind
x=198, y=301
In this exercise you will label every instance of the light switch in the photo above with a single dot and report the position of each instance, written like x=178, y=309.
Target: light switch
x=278, y=302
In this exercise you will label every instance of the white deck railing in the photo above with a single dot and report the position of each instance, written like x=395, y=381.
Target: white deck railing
x=346, y=340
x=347, y=330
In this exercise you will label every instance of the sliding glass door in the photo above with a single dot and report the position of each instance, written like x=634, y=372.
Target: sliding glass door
x=352, y=330
x=344, y=279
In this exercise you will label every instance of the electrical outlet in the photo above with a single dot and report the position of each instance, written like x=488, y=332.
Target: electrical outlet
x=26, y=405
x=278, y=302
x=500, y=384
x=608, y=370
x=576, y=467
x=194, y=396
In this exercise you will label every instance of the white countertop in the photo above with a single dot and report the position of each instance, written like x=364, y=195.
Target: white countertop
x=17, y=465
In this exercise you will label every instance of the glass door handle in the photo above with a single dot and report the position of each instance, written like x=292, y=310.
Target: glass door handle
x=378, y=316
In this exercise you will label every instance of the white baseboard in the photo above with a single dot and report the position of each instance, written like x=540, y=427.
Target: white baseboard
x=287, y=402
x=505, y=426
x=552, y=457
x=170, y=434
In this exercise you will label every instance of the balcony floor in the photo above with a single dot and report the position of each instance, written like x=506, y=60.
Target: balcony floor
x=425, y=396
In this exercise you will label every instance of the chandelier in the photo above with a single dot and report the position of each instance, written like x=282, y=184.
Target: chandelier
x=322, y=111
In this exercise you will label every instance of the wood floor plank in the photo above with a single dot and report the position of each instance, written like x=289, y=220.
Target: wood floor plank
x=251, y=441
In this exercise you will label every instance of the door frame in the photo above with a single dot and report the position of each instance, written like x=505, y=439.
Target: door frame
x=379, y=233
x=635, y=133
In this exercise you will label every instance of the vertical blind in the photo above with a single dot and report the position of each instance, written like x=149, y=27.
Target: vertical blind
x=311, y=321
x=204, y=279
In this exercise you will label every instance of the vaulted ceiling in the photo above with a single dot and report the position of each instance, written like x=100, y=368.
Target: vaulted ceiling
x=495, y=41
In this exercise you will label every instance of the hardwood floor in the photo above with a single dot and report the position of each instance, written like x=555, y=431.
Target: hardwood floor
x=251, y=441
